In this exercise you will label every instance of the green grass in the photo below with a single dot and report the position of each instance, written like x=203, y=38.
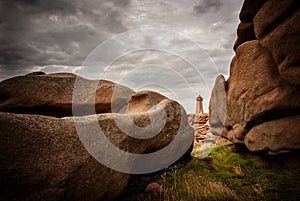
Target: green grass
x=223, y=175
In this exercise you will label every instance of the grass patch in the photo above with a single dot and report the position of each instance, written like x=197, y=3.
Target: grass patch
x=223, y=175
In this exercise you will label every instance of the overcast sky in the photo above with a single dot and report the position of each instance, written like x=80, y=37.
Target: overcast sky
x=175, y=47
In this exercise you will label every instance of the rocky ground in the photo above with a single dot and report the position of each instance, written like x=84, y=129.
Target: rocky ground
x=204, y=140
x=200, y=123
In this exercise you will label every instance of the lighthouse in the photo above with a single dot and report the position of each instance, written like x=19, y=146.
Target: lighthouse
x=199, y=105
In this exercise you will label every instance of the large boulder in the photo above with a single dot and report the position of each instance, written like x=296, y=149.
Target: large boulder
x=275, y=135
x=50, y=158
x=271, y=14
x=217, y=106
x=262, y=93
x=52, y=95
x=275, y=25
x=44, y=158
x=283, y=43
x=256, y=92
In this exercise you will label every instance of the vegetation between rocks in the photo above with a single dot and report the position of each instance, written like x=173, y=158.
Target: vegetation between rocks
x=223, y=175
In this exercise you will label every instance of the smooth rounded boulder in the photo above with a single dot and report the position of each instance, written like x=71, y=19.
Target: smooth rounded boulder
x=52, y=95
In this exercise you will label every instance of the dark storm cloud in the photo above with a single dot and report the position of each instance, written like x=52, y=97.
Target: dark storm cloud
x=206, y=6
x=40, y=6
x=8, y=56
x=43, y=32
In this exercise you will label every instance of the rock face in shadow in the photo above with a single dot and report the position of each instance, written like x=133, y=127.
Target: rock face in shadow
x=52, y=95
x=275, y=134
x=50, y=158
x=262, y=93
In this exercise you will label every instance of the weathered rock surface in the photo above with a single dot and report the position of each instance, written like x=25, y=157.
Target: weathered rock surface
x=283, y=43
x=256, y=91
x=275, y=24
x=275, y=135
x=263, y=91
x=271, y=14
x=142, y=101
x=42, y=158
x=51, y=95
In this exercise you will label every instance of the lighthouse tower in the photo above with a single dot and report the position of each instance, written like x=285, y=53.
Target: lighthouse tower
x=199, y=105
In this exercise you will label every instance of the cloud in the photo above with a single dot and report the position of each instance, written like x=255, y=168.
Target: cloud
x=44, y=32
x=58, y=35
x=208, y=6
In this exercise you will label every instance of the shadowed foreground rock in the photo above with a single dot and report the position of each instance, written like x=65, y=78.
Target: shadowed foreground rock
x=262, y=94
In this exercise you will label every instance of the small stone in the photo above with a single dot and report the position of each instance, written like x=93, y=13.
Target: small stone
x=154, y=187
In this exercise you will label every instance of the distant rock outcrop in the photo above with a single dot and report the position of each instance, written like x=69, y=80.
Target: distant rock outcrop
x=262, y=94
x=44, y=158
